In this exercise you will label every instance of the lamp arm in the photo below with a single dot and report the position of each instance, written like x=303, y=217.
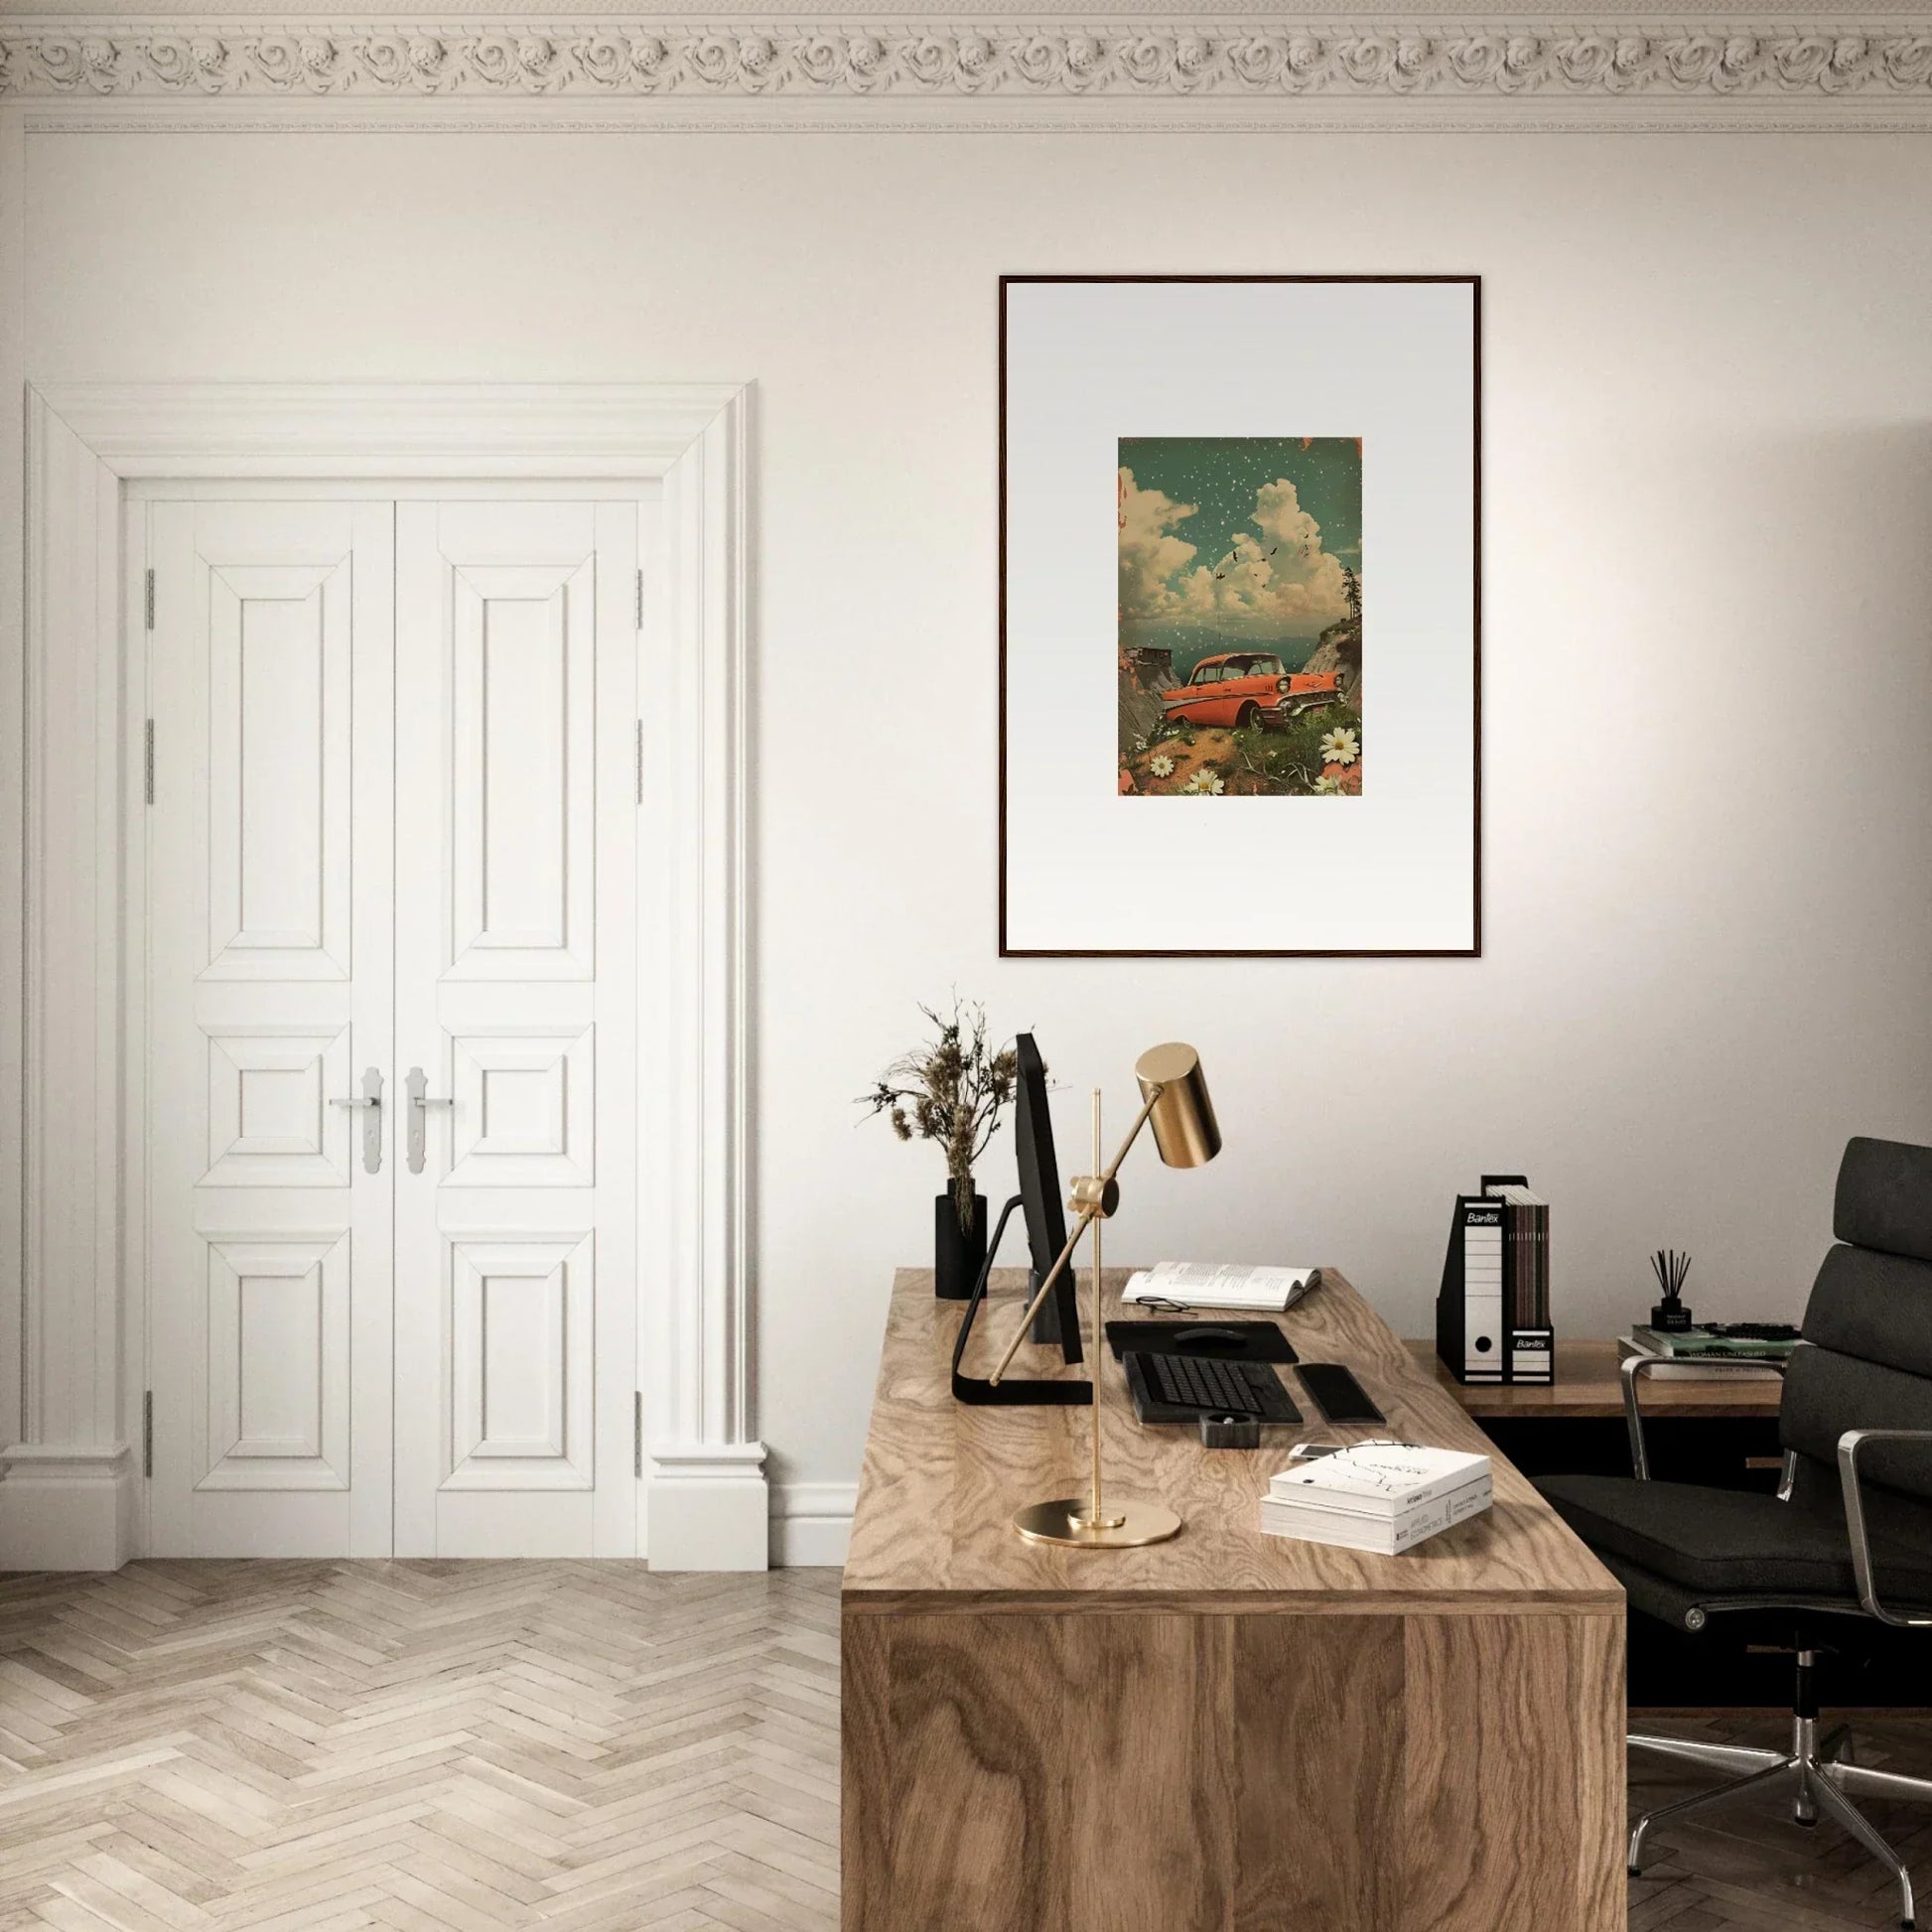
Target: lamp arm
x=1133, y=1133
x=1088, y=1215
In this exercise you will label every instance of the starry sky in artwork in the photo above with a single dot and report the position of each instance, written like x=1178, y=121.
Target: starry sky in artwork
x=1221, y=474
x=1236, y=540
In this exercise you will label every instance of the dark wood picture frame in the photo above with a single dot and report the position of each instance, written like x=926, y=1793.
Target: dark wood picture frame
x=1475, y=949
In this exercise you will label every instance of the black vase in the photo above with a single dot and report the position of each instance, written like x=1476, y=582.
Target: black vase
x=957, y=1256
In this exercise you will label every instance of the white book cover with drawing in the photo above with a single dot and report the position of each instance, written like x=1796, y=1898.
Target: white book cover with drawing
x=1378, y=1478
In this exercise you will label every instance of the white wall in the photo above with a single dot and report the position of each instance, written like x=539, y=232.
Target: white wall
x=1708, y=650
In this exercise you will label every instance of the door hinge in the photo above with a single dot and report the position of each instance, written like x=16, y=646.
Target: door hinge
x=641, y=597
x=147, y=762
x=637, y=1432
x=147, y=1432
x=150, y=599
x=640, y=761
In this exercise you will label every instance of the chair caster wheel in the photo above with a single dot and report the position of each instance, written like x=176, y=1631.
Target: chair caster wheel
x=1810, y=1824
x=1633, y=1871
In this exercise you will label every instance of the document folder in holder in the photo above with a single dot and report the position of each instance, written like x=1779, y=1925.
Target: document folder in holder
x=1492, y=1316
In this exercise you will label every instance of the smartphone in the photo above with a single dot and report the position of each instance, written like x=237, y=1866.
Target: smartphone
x=1336, y=1393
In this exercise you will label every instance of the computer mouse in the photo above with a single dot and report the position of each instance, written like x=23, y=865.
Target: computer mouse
x=1209, y=1338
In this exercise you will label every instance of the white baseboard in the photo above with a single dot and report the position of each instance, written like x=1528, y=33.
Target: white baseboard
x=64, y=1507
x=708, y=1508
x=811, y=1524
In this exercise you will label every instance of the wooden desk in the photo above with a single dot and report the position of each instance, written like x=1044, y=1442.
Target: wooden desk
x=1227, y=1732
x=1588, y=1385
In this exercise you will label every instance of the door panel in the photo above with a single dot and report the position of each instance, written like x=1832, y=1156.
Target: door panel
x=521, y=690
x=516, y=1249
x=278, y=1365
x=278, y=669
x=268, y=921
x=520, y=1339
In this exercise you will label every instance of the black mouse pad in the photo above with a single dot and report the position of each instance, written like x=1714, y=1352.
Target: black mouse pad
x=1232, y=1341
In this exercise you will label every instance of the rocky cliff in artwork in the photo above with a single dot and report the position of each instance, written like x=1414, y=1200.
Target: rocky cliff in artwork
x=1340, y=648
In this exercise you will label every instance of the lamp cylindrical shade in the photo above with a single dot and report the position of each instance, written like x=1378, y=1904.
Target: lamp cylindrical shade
x=1185, y=1128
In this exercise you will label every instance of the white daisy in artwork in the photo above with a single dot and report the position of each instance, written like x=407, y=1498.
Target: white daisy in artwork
x=1341, y=746
x=1162, y=768
x=1328, y=787
x=1204, y=784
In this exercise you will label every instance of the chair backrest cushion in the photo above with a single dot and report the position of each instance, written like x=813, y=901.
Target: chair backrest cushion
x=1869, y=1323
x=1884, y=1197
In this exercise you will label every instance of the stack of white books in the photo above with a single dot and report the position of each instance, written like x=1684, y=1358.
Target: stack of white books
x=1215, y=1285
x=1380, y=1497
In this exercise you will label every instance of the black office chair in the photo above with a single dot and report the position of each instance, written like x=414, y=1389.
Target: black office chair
x=1846, y=1540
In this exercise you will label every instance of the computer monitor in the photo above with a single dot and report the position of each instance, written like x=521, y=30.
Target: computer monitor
x=1039, y=1197
x=1039, y=1201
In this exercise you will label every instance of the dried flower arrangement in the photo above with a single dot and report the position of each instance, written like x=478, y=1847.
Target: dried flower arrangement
x=951, y=1089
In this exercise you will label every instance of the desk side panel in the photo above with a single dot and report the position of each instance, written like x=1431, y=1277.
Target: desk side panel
x=1163, y=1773
x=1316, y=1745
x=865, y=1774
x=1514, y=1773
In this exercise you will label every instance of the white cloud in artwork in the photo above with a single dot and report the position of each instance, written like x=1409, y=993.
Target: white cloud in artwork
x=1279, y=583
x=1149, y=552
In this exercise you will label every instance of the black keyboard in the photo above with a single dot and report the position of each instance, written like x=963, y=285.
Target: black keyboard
x=1190, y=1386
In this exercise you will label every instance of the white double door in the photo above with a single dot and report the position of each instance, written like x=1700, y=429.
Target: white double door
x=391, y=1083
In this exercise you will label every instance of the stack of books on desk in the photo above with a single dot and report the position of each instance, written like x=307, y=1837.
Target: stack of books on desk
x=1381, y=1496
x=1702, y=1354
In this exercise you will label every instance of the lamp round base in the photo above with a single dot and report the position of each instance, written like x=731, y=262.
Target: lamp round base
x=1062, y=1521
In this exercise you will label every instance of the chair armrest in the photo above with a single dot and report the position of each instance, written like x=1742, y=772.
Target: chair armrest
x=1849, y=1446
x=1634, y=1367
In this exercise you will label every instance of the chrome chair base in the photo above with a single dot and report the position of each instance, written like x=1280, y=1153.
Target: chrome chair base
x=1817, y=1775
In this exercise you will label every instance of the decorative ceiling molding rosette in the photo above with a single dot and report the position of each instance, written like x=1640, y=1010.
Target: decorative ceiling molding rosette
x=1239, y=61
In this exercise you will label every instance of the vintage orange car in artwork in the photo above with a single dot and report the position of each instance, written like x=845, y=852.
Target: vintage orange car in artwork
x=1245, y=688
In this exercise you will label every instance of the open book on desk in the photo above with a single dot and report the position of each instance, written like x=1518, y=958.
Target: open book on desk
x=1214, y=1285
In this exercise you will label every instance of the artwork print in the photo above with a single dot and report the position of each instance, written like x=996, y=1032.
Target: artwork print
x=1240, y=618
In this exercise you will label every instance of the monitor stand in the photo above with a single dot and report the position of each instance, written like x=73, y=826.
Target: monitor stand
x=1011, y=1391
x=1046, y=1324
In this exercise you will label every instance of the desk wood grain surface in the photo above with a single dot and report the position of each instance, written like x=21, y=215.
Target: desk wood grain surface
x=941, y=1480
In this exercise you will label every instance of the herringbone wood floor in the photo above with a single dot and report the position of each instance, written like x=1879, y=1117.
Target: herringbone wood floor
x=465, y=1747
x=316, y=1747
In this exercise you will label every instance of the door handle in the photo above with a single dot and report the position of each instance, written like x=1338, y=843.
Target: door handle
x=370, y=1099
x=420, y=1102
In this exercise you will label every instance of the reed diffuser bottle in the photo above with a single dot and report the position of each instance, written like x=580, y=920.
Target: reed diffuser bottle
x=1670, y=1315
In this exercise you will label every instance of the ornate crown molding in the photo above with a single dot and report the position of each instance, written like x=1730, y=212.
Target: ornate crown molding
x=1237, y=60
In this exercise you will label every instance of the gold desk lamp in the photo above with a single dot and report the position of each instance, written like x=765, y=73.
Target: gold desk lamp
x=1175, y=1103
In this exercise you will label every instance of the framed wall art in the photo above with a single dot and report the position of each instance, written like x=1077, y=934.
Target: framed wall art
x=1239, y=615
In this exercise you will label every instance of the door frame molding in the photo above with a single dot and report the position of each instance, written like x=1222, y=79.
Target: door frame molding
x=67, y=1500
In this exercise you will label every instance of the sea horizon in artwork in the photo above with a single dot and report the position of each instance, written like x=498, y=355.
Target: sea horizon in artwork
x=1240, y=617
